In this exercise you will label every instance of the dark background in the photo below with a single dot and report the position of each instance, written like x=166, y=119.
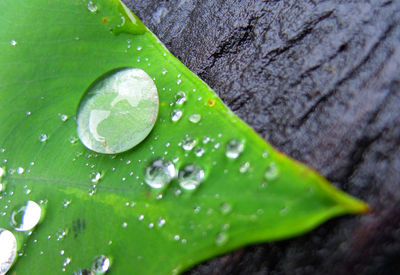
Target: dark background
x=320, y=80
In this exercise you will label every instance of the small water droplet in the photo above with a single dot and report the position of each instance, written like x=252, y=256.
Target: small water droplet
x=26, y=217
x=190, y=176
x=141, y=217
x=83, y=272
x=206, y=140
x=73, y=140
x=13, y=43
x=43, y=138
x=234, y=148
x=188, y=143
x=95, y=176
x=67, y=261
x=180, y=97
x=28, y=113
x=8, y=250
x=179, y=81
x=161, y=222
x=199, y=151
x=222, y=238
x=195, y=118
x=101, y=264
x=124, y=224
x=92, y=7
x=244, y=167
x=2, y=172
x=177, y=237
x=176, y=115
x=159, y=173
x=118, y=111
x=66, y=203
x=20, y=170
x=226, y=208
x=139, y=48
x=63, y=117
x=272, y=172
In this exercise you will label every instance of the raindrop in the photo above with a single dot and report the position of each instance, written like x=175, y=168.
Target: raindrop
x=2, y=184
x=188, y=143
x=66, y=203
x=13, y=43
x=20, y=170
x=161, y=222
x=43, y=138
x=272, y=172
x=244, y=167
x=124, y=224
x=67, y=261
x=179, y=81
x=101, y=264
x=8, y=250
x=180, y=97
x=159, y=173
x=190, y=177
x=234, y=148
x=95, y=176
x=92, y=7
x=177, y=237
x=83, y=272
x=226, y=208
x=199, y=151
x=195, y=118
x=222, y=238
x=118, y=111
x=176, y=115
x=206, y=140
x=26, y=217
x=139, y=48
x=63, y=117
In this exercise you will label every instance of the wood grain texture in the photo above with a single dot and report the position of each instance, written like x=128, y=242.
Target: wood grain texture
x=320, y=80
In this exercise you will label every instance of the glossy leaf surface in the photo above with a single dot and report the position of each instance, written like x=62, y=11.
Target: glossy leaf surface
x=95, y=204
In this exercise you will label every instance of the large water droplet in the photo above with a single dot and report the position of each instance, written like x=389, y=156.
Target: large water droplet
x=118, y=111
x=191, y=176
x=8, y=250
x=234, y=148
x=26, y=217
x=101, y=264
x=159, y=173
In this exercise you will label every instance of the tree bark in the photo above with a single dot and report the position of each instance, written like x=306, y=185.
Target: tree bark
x=320, y=80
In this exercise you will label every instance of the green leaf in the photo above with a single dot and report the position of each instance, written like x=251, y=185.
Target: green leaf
x=95, y=204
